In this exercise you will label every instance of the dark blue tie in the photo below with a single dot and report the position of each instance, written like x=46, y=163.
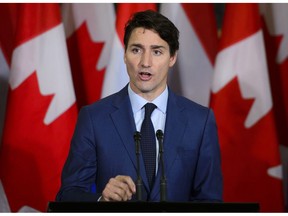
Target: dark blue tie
x=148, y=143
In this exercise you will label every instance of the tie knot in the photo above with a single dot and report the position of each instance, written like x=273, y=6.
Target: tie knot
x=149, y=108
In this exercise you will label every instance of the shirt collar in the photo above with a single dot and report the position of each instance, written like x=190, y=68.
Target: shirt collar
x=137, y=102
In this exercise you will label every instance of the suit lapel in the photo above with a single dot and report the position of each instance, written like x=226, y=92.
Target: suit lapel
x=124, y=122
x=174, y=130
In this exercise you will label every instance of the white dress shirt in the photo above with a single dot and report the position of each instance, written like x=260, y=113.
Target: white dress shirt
x=158, y=116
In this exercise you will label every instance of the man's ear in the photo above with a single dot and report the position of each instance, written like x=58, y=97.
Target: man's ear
x=124, y=57
x=173, y=59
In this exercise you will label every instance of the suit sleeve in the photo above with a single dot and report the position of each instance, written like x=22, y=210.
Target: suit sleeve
x=208, y=184
x=78, y=175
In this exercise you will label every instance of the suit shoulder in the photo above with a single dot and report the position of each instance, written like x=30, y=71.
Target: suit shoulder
x=191, y=105
x=195, y=112
x=102, y=105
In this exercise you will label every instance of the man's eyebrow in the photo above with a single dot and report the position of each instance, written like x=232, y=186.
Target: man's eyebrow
x=152, y=46
x=158, y=47
x=136, y=45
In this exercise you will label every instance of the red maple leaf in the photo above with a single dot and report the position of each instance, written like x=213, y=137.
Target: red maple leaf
x=33, y=154
x=279, y=83
x=84, y=55
x=247, y=153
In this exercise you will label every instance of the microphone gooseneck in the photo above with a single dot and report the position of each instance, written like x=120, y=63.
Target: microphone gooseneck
x=163, y=184
x=137, y=139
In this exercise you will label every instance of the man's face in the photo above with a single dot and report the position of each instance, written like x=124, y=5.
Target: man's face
x=148, y=60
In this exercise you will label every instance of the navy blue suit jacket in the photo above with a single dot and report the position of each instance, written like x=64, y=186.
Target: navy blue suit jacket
x=103, y=147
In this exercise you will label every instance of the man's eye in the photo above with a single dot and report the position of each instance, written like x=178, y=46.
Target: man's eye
x=135, y=50
x=157, y=52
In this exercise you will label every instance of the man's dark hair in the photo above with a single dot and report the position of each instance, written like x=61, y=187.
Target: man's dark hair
x=156, y=22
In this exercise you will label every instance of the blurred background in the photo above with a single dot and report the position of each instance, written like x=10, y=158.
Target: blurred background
x=56, y=58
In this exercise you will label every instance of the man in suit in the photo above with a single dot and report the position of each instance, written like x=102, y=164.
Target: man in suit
x=102, y=163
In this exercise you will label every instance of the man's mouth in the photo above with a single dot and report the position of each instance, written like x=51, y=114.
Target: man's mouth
x=145, y=76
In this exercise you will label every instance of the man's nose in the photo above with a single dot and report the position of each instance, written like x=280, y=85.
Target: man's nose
x=146, y=59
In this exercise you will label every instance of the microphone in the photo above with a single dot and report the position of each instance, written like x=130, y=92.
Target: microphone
x=163, y=184
x=137, y=138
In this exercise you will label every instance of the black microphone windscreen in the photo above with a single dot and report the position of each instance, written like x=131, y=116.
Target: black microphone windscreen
x=137, y=135
x=159, y=134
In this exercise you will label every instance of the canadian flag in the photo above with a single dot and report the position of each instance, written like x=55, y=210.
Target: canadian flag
x=276, y=41
x=243, y=108
x=192, y=74
x=41, y=110
x=90, y=29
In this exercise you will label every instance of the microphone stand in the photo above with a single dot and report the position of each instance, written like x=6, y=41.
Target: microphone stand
x=137, y=138
x=163, y=184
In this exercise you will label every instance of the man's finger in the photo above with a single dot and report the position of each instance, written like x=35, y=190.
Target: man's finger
x=127, y=180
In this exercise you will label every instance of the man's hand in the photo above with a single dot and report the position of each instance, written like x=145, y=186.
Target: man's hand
x=120, y=188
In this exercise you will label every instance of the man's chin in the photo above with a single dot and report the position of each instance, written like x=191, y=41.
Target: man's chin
x=146, y=90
